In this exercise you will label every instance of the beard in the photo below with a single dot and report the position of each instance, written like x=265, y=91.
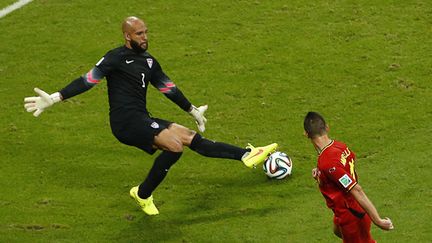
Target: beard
x=137, y=47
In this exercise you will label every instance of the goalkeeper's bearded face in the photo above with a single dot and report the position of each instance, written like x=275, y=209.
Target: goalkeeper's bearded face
x=135, y=34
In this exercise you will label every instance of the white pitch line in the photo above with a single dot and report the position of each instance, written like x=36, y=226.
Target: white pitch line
x=13, y=7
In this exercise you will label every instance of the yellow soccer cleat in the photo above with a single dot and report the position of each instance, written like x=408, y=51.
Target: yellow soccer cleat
x=257, y=155
x=146, y=205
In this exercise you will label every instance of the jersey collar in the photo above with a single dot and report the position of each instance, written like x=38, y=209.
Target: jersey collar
x=325, y=147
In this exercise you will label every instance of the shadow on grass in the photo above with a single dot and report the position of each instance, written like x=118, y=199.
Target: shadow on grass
x=163, y=228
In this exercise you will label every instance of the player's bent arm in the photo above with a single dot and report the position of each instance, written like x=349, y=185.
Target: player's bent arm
x=367, y=205
x=363, y=200
x=162, y=82
x=170, y=90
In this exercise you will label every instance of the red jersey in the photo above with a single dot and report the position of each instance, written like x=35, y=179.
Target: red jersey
x=337, y=177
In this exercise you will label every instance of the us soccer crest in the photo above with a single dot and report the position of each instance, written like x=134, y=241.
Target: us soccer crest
x=150, y=62
x=155, y=125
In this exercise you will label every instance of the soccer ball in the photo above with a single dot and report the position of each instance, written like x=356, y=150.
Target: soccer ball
x=278, y=165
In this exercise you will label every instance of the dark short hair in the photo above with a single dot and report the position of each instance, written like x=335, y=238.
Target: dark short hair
x=314, y=124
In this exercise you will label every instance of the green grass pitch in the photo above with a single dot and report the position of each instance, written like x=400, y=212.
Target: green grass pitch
x=260, y=66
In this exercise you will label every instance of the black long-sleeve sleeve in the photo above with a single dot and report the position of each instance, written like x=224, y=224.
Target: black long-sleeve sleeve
x=82, y=84
x=75, y=87
x=177, y=97
x=162, y=82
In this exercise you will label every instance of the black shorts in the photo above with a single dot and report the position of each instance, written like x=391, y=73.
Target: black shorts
x=139, y=130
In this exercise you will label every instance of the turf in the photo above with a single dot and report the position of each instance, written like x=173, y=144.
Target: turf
x=260, y=66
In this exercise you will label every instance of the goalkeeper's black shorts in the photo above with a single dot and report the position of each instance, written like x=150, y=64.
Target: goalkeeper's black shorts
x=139, y=130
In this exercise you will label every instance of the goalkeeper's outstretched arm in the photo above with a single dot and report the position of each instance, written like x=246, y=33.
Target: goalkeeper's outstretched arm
x=37, y=104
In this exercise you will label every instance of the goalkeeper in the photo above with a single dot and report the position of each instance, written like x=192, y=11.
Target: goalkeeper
x=129, y=69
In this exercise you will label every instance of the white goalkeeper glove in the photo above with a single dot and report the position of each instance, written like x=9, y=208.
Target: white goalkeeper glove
x=39, y=103
x=198, y=114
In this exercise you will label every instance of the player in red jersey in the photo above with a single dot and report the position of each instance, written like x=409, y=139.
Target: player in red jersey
x=338, y=183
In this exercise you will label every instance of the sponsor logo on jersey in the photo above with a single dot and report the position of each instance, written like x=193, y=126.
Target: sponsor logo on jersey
x=129, y=61
x=332, y=169
x=155, y=125
x=345, y=180
x=150, y=62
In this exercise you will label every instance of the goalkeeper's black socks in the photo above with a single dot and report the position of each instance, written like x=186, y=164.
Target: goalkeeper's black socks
x=157, y=173
x=214, y=149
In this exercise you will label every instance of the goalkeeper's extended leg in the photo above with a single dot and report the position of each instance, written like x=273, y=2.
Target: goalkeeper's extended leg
x=250, y=156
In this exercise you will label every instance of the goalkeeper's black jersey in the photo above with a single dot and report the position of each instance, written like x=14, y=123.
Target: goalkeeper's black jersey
x=128, y=74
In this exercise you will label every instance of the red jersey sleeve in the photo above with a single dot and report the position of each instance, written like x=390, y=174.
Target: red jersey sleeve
x=338, y=173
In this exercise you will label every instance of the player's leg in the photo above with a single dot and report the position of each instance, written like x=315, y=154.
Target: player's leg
x=365, y=225
x=204, y=146
x=171, y=138
x=250, y=156
x=357, y=230
x=172, y=148
x=158, y=172
x=153, y=134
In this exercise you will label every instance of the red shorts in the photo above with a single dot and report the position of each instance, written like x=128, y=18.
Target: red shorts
x=354, y=229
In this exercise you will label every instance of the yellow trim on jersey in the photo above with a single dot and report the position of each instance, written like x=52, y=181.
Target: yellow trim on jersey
x=325, y=147
x=352, y=169
x=349, y=189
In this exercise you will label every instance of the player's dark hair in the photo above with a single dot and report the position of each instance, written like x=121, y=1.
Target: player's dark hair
x=314, y=124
